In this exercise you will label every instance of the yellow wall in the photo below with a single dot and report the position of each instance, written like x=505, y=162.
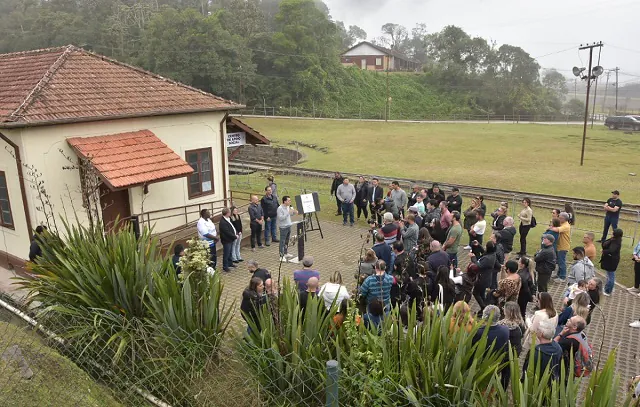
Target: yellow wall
x=14, y=241
x=41, y=147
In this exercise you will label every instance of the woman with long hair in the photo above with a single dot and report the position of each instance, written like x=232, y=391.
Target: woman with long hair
x=579, y=307
x=508, y=287
x=545, y=313
x=252, y=300
x=445, y=290
x=461, y=318
x=594, y=289
x=513, y=320
x=424, y=244
x=568, y=208
x=610, y=259
x=367, y=265
x=527, y=285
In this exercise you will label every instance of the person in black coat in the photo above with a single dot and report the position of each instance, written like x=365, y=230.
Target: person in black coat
x=178, y=252
x=362, y=201
x=252, y=300
x=611, y=258
x=337, y=181
x=35, y=250
x=545, y=259
x=382, y=251
x=454, y=201
x=527, y=286
x=374, y=193
x=228, y=235
x=435, y=193
x=485, y=265
x=497, y=339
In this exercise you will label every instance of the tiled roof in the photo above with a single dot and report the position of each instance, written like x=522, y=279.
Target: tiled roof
x=253, y=135
x=128, y=159
x=69, y=84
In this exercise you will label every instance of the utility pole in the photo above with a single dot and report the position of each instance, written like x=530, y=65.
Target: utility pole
x=575, y=88
x=386, y=109
x=606, y=86
x=617, y=69
x=588, y=77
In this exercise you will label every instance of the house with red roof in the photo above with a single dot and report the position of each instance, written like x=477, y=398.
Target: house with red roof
x=158, y=147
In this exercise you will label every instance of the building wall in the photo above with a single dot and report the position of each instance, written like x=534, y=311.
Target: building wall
x=46, y=148
x=363, y=49
x=371, y=61
x=14, y=241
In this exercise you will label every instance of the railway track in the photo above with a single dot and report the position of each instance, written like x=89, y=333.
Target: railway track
x=629, y=212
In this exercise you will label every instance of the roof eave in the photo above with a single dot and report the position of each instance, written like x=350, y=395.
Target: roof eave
x=13, y=125
x=138, y=184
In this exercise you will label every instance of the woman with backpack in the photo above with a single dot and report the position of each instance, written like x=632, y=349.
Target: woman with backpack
x=610, y=259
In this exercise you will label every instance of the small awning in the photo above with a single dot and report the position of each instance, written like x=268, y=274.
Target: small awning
x=129, y=159
x=253, y=136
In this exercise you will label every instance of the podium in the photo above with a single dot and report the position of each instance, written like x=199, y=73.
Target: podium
x=299, y=238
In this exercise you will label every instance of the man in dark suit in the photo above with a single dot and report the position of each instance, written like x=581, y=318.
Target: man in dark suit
x=375, y=193
x=227, y=236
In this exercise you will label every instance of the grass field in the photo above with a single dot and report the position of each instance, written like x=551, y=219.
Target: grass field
x=525, y=157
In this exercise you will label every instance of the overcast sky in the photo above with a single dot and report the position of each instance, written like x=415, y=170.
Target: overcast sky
x=540, y=27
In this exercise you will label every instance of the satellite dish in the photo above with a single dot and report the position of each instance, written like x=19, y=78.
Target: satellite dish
x=577, y=71
x=597, y=71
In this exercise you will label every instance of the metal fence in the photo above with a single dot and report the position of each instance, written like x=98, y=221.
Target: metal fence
x=359, y=113
x=293, y=181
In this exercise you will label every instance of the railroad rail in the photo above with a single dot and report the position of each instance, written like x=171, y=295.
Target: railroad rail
x=629, y=212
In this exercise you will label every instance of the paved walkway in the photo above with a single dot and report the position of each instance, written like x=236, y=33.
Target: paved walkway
x=340, y=250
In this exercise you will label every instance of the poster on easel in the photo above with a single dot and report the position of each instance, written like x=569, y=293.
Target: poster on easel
x=308, y=203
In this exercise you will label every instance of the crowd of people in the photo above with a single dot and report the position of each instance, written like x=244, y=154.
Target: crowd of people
x=413, y=263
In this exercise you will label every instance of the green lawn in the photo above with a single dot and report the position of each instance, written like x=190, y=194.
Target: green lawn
x=524, y=157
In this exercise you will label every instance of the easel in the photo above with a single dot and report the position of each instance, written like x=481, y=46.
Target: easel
x=309, y=206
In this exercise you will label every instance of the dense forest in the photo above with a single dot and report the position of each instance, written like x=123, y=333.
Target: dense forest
x=285, y=53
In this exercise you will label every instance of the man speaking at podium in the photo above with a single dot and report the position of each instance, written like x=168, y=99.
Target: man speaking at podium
x=284, y=223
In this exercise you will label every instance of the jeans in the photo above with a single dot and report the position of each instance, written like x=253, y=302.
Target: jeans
x=285, y=233
x=562, y=264
x=347, y=209
x=609, y=221
x=227, y=250
x=611, y=281
x=214, y=256
x=453, y=258
x=256, y=234
x=235, y=250
x=524, y=231
x=270, y=228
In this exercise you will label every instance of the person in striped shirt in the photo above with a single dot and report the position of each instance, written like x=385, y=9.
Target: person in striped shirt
x=378, y=286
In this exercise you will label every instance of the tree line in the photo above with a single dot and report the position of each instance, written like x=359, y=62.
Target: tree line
x=286, y=53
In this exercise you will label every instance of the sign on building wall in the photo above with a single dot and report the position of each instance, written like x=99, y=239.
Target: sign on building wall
x=236, y=139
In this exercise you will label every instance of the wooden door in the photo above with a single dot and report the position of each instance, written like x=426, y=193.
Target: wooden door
x=363, y=63
x=115, y=205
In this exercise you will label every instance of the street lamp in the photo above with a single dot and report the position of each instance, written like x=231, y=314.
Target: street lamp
x=592, y=74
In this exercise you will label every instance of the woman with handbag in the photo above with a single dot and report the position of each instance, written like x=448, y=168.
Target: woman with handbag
x=509, y=287
x=610, y=259
x=444, y=294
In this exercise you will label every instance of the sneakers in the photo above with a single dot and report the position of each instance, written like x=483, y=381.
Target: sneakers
x=344, y=223
x=559, y=280
x=633, y=290
x=606, y=295
x=289, y=256
x=467, y=247
x=275, y=241
x=635, y=324
x=260, y=247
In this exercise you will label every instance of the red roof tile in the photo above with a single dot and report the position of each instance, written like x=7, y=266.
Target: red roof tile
x=128, y=159
x=69, y=84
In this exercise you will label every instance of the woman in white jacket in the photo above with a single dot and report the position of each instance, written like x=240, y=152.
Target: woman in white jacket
x=334, y=291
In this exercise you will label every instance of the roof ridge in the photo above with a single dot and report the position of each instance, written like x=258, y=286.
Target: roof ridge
x=151, y=74
x=35, y=51
x=42, y=83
